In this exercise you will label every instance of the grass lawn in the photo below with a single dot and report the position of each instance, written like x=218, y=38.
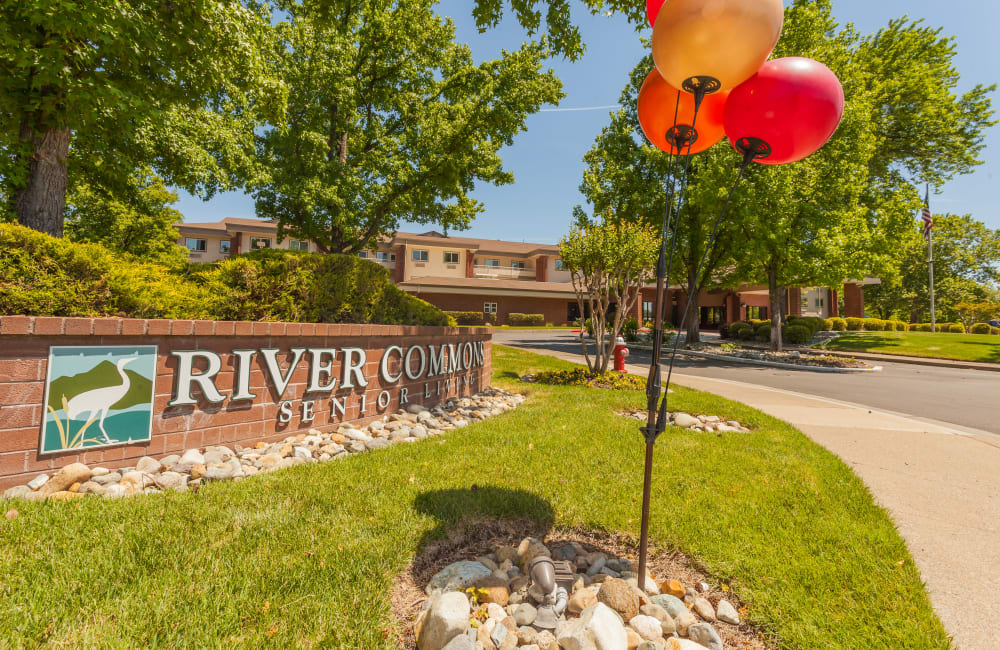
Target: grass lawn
x=940, y=345
x=306, y=557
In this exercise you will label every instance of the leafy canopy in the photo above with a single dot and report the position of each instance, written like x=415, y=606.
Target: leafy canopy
x=388, y=119
x=141, y=224
x=177, y=86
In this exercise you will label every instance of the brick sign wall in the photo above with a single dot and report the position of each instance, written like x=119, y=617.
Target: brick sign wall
x=209, y=382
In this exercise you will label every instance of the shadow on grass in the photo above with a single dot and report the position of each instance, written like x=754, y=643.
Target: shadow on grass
x=482, y=512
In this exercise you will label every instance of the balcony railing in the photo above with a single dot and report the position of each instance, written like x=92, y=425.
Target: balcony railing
x=502, y=272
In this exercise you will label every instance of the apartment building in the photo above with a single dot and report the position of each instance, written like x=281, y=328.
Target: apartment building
x=502, y=277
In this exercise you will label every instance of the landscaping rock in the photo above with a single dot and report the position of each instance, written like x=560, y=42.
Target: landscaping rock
x=147, y=465
x=17, y=492
x=672, y=604
x=666, y=621
x=456, y=577
x=727, y=613
x=647, y=627
x=67, y=476
x=524, y=614
x=460, y=642
x=598, y=628
x=106, y=479
x=494, y=590
x=37, y=482
x=192, y=457
x=704, y=609
x=685, y=420
x=706, y=635
x=619, y=596
x=447, y=618
x=683, y=621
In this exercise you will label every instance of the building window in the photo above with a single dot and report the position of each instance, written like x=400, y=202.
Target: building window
x=493, y=264
x=419, y=255
x=257, y=243
x=451, y=258
x=712, y=315
x=517, y=265
x=648, y=311
x=363, y=254
x=756, y=313
x=383, y=257
x=196, y=245
x=561, y=266
x=297, y=245
x=490, y=308
x=224, y=246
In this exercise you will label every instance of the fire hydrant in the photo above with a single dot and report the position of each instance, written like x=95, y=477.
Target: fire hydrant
x=620, y=352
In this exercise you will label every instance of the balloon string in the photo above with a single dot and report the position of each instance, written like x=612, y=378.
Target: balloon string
x=747, y=158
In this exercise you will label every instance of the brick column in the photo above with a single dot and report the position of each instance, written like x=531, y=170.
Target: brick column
x=854, y=301
x=732, y=308
x=470, y=263
x=542, y=268
x=400, y=272
x=794, y=301
x=834, y=301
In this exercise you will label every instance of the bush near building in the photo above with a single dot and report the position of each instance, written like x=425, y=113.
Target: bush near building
x=838, y=325
x=796, y=334
x=855, y=324
x=45, y=276
x=981, y=328
x=525, y=320
x=470, y=318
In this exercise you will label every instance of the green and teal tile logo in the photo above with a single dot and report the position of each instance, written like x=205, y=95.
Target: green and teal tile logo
x=98, y=395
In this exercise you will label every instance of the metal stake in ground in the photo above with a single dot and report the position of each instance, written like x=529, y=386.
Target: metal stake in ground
x=752, y=149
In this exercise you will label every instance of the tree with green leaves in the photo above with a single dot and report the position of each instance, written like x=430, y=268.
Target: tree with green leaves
x=609, y=262
x=140, y=222
x=388, y=119
x=966, y=270
x=98, y=90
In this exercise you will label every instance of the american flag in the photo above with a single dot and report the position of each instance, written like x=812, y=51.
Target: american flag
x=926, y=216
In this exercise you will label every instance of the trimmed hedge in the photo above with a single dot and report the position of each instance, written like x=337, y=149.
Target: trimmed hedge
x=45, y=276
x=470, y=318
x=525, y=319
x=764, y=332
x=838, y=324
x=956, y=328
x=797, y=334
x=980, y=328
x=855, y=324
x=285, y=285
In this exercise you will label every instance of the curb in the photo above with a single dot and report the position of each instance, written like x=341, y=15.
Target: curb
x=769, y=364
x=916, y=361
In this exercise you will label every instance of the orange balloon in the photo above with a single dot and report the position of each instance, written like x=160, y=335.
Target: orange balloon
x=658, y=104
x=725, y=39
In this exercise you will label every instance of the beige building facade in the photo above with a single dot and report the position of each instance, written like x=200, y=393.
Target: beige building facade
x=500, y=277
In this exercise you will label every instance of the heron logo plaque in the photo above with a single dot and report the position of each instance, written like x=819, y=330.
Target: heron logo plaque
x=98, y=395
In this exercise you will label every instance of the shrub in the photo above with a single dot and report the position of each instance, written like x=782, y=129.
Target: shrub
x=827, y=325
x=525, y=319
x=757, y=321
x=747, y=333
x=284, y=285
x=995, y=331
x=797, y=334
x=980, y=328
x=468, y=318
x=45, y=276
x=764, y=332
x=584, y=377
x=735, y=328
x=855, y=324
x=630, y=329
x=913, y=327
x=873, y=325
x=900, y=326
x=955, y=328
x=837, y=324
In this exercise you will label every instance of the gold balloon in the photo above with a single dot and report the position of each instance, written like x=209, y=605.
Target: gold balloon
x=725, y=39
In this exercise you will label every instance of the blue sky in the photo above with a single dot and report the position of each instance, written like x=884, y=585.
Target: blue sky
x=547, y=159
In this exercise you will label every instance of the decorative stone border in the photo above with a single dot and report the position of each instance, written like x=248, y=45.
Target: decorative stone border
x=195, y=467
x=707, y=423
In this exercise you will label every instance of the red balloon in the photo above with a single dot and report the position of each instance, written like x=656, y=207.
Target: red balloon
x=653, y=8
x=793, y=104
x=658, y=104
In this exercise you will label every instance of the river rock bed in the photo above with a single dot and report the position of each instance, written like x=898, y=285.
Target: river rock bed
x=707, y=423
x=193, y=468
x=791, y=357
x=484, y=599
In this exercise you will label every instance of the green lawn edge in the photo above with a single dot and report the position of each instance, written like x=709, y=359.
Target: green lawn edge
x=307, y=556
x=933, y=345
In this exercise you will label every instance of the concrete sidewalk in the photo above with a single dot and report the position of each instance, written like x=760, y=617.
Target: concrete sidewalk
x=941, y=485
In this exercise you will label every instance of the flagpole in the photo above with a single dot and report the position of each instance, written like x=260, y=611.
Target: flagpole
x=930, y=257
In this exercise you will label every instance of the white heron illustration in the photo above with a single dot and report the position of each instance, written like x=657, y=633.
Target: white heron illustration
x=100, y=400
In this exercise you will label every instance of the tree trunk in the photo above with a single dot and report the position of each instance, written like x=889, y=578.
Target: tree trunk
x=777, y=303
x=42, y=200
x=693, y=310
